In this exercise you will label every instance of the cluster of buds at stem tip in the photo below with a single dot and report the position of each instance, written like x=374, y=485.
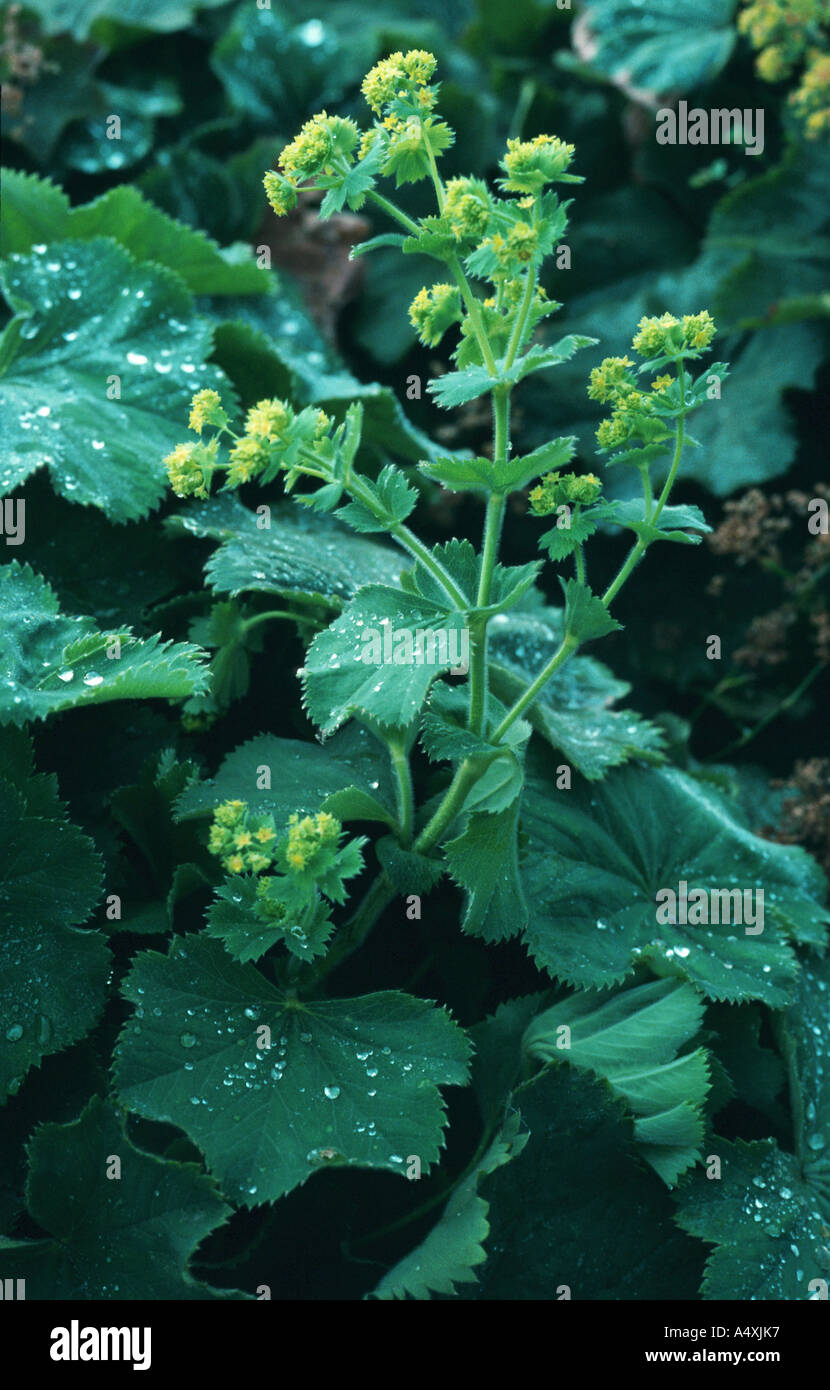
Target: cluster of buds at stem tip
x=785, y=34
x=637, y=413
x=564, y=489
x=274, y=438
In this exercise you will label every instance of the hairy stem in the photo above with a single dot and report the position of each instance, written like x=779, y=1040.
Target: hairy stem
x=403, y=785
x=566, y=649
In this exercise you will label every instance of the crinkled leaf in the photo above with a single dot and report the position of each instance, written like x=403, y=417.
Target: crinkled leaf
x=52, y=977
x=296, y=554
x=349, y=1081
x=392, y=492
x=586, y=616
x=278, y=776
x=51, y=662
x=631, y=1037
x=108, y=1239
x=657, y=48
x=484, y=861
x=232, y=919
x=598, y=856
x=92, y=322
x=347, y=672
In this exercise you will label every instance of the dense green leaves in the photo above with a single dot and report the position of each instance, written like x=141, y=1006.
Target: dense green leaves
x=351, y=1081
x=52, y=976
x=51, y=662
x=111, y=1236
x=631, y=1037
x=576, y=1180
x=98, y=367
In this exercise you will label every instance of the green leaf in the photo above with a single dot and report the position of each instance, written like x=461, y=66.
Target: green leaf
x=455, y=1246
x=52, y=977
x=150, y=235
x=372, y=662
x=346, y=1081
x=631, y=1037
x=391, y=492
x=375, y=243
x=232, y=919
x=756, y=1072
x=130, y=1238
x=516, y=473
x=598, y=856
x=577, y=1179
x=655, y=48
x=668, y=525
x=539, y=358
x=51, y=662
x=294, y=554
x=458, y=474
x=79, y=17
x=776, y=1244
x=573, y=711
x=586, y=616
x=484, y=861
x=92, y=322
x=779, y=1254
x=456, y=388
x=277, y=776
x=249, y=359
x=444, y=732
x=34, y=209
x=562, y=541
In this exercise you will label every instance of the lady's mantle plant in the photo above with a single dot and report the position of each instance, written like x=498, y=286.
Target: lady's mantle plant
x=558, y=818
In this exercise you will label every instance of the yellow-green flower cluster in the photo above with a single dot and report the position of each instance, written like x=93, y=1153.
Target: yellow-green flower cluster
x=557, y=489
x=322, y=141
x=242, y=842
x=206, y=409
x=401, y=75
x=811, y=100
x=610, y=378
x=530, y=164
x=433, y=310
x=309, y=836
x=466, y=208
x=280, y=192
x=668, y=336
x=785, y=33
x=190, y=468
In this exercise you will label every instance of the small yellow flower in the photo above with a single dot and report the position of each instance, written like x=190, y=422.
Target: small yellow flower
x=281, y=192
x=236, y=863
x=206, y=409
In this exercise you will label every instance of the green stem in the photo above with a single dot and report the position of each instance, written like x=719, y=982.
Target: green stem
x=780, y=708
x=280, y=613
x=520, y=325
x=466, y=776
x=634, y=557
x=680, y=439
x=472, y=306
x=638, y=551
x=478, y=647
x=403, y=782
x=568, y=646
x=411, y=543
x=394, y=212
